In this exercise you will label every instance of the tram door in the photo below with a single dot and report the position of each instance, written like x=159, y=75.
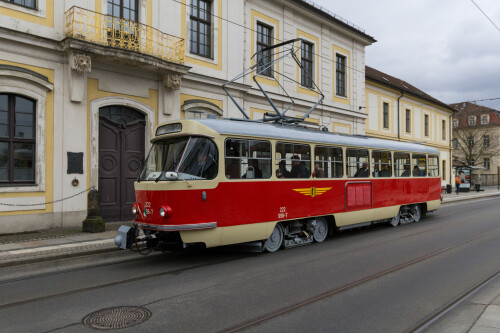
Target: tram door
x=121, y=151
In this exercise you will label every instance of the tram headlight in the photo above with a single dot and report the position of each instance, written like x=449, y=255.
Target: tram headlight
x=165, y=211
x=135, y=209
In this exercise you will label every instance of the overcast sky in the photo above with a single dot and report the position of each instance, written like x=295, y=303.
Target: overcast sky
x=447, y=48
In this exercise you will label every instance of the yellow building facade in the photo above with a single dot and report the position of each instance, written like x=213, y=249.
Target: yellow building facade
x=396, y=110
x=91, y=80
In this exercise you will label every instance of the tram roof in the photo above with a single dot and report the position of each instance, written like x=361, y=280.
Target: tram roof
x=286, y=132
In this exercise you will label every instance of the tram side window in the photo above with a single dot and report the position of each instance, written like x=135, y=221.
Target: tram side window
x=433, y=166
x=247, y=159
x=419, y=165
x=381, y=164
x=357, y=163
x=402, y=165
x=293, y=160
x=328, y=162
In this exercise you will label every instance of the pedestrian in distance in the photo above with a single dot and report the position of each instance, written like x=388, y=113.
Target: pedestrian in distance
x=458, y=181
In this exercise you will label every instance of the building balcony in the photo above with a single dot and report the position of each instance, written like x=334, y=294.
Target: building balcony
x=116, y=36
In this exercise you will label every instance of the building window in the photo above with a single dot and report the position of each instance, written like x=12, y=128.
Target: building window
x=454, y=143
x=486, y=163
x=470, y=142
x=455, y=123
x=17, y=140
x=306, y=60
x=264, y=39
x=125, y=9
x=200, y=38
x=484, y=120
x=386, y=114
x=486, y=141
x=408, y=121
x=426, y=125
x=25, y=3
x=340, y=75
x=443, y=172
x=443, y=130
x=472, y=121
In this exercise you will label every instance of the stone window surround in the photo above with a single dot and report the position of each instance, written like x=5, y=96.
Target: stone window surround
x=21, y=83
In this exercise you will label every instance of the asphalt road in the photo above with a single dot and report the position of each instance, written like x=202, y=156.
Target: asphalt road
x=377, y=279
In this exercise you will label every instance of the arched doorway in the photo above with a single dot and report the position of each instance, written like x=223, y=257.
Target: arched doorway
x=121, y=151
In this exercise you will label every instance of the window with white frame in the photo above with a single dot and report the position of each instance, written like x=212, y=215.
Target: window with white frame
x=486, y=163
x=265, y=36
x=17, y=139
x=484, y=119
x=472, y=121
x=385, y=114
x=201, y=28
x=470, y=142
x=486, y=141
x=426, y=125
x=306, y=61
x=408, y=121
x=25, y=3
x=455, y=123
x=340, y=75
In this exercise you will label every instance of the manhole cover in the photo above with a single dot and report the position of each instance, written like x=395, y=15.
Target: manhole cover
x=116, y=317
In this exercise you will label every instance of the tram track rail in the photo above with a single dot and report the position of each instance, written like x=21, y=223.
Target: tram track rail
x=439, y=313
x=255, y=321
x=285, y=310
x=319, y=297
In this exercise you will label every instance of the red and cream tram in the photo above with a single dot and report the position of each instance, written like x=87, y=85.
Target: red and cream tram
x=218, y=182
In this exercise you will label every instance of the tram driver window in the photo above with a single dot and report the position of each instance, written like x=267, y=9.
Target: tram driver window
x=419, y=165
x=327, y=162
x=293, y=160
x=381, y=164
x=358, y=163
x=402, y=165
x=248, y=159
x=433, y=166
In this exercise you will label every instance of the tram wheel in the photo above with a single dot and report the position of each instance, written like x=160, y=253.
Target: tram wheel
x=395, y=220
x=416, y=212
x=273, y=243
x=321, y=230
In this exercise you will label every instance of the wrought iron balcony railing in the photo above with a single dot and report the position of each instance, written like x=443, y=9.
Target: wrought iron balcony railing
x=86, y=25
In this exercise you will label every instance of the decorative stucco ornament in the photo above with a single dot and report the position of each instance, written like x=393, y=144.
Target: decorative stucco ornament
x=81, y=63
x=173, y=81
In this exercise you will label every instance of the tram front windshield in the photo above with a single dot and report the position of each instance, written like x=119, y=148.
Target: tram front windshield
x=189, y=157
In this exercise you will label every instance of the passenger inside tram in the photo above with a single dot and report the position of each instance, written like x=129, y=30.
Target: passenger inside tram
x=406, y=172
x=363, y=171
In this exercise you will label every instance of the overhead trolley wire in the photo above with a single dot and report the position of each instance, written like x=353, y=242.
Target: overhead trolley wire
x=253, y=30
x=485, y=15
x=320, y=56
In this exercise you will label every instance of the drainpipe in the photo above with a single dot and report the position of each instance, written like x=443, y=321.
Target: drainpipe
x=399, y=120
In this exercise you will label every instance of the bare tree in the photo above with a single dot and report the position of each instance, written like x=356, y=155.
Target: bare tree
x=474, y=143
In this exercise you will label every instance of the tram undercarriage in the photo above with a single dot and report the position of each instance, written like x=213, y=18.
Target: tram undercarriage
x=287, y=234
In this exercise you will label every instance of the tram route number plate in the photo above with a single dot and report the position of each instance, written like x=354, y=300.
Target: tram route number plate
x=282, y=213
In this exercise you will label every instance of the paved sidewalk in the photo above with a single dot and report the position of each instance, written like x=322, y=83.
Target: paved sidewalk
x=58, y=243
x=55, y=243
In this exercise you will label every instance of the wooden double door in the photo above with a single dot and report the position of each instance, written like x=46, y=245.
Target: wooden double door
x=121, y=153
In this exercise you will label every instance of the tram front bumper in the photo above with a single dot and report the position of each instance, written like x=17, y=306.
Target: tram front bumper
x=125, y=237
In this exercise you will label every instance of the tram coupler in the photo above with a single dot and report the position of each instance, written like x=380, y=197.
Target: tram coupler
x=126, y=236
